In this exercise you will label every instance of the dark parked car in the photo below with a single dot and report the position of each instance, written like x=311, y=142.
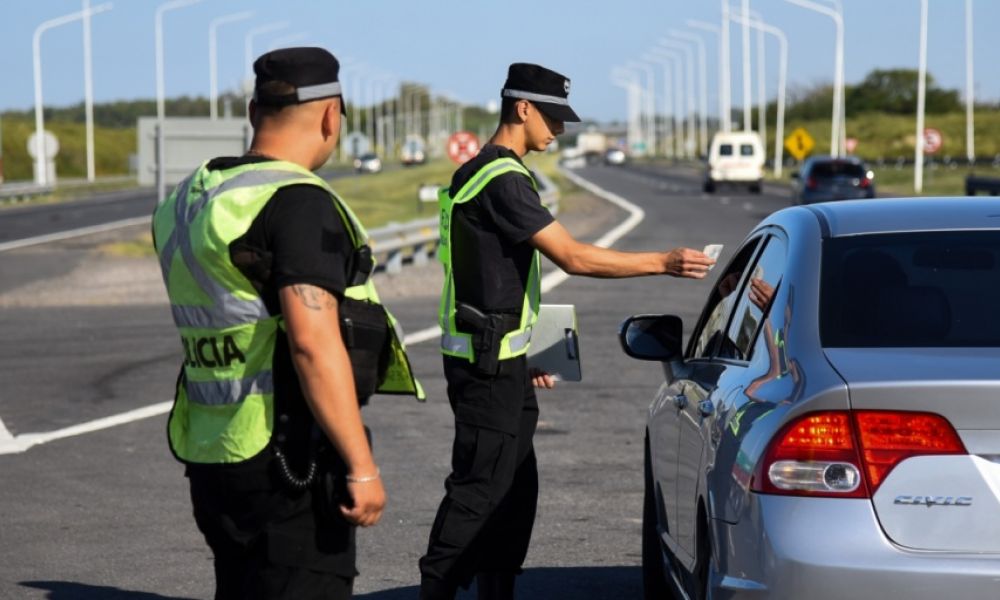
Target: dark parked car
x=832, y=428
x=823, y=178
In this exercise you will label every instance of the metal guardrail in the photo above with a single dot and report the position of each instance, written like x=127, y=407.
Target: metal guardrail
x=12, y=193
x=416, y=241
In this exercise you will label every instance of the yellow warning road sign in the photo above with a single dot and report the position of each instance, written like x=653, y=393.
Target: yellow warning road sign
x=799, y=143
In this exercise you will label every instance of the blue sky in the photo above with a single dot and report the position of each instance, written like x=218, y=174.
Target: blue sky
x=463, y=47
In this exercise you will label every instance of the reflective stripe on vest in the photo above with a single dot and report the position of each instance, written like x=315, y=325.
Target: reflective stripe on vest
x=457, y=343
x=223, y=411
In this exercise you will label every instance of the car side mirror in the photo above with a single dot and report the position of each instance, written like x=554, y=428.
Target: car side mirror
x=652, y=337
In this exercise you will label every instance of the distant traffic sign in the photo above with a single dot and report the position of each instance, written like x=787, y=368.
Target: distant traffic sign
x=462, y=146
x=799, y=143
x=932, y=140
x=850, y=144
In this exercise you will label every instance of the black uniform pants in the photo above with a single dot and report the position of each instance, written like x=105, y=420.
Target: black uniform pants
x=484, y=522
x=269, y=542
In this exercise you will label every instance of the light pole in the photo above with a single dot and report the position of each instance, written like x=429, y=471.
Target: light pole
x=248, y=48
x=703, y=81
x=675, y=59
x=838, y=71
x=747, y=19
x=627, y=80
x=213, y=58
x=41, y=174
x=746, y=65
x=88, y=90
x=779, y=132
x=726, y=77
x=688, y=88
x=714, y=29
x=667, y=62
x=650, y=103
x=918, y=152
x=970, y=140
x=161, y=176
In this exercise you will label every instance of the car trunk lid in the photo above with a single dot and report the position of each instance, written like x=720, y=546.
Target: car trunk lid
x=935, y=502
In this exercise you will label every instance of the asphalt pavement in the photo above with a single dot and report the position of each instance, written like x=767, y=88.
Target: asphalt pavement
x=106, y=514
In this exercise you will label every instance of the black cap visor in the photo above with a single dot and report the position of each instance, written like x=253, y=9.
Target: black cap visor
x=558, y=112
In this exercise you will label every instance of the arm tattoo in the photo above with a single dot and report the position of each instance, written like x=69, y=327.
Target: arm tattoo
x=314, y=298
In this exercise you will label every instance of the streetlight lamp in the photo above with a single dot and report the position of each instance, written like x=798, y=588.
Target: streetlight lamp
x=703, y=80
x=838, y=72
x=213, y=59
x=746, y=65
x=41, y=174
x=161, y=184
x=747, y=20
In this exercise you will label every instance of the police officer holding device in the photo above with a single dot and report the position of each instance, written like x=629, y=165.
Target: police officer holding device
x=268, y=275
x=493, y=227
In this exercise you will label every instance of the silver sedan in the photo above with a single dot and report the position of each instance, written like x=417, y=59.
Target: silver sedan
x=832, y=427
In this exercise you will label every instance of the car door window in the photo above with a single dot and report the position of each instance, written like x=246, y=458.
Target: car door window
x=714, y=318
x=754, y=301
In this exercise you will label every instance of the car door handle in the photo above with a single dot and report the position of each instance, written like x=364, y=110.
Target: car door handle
x=680, y=401
x=706, y=408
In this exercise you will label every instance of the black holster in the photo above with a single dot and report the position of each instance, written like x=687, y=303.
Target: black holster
x=487, y=331
x=365, y=329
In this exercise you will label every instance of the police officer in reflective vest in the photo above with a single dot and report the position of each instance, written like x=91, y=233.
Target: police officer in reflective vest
x=268, y=275
x=493, y=227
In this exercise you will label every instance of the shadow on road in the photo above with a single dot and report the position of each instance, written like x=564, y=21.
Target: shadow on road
x=552, y=583
x=69, y=590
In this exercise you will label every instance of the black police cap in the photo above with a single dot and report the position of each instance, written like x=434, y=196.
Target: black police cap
x=313, y=72
x=544, y=88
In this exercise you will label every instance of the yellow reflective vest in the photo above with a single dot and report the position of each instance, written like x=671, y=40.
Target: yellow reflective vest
x=457, y=343
x=224, y=405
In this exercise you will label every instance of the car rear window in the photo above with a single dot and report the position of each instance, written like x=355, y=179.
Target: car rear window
x=930, y=289
x=837, y=168
x=746, y=149
x=726, y=150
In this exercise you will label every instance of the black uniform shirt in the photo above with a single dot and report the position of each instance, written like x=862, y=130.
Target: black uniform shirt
x=297, y=238
x=491, y=252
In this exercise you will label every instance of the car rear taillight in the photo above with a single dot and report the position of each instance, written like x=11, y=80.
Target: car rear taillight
x=865, y=182
x=889, y=437
x=847, y=454
x=811, y=183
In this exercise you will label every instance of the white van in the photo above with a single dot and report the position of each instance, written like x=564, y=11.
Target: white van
x=735, y=158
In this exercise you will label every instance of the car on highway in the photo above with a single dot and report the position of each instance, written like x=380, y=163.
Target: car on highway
x=368, y=163
x=831, y=429
x=735, y=158
x=824, y=178
x=615, y=156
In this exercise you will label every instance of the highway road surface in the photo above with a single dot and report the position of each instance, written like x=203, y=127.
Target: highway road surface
x=105, y=513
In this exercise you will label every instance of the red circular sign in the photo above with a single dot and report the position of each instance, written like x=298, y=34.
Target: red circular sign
x=462, y=146
x=932, y=140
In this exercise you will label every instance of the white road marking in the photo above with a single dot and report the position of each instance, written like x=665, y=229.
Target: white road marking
x=72, y=233
x=10, y=444
x=20, y=443
x=748, y=206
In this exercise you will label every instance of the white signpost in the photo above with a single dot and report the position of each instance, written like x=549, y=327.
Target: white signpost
x=44, y=152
